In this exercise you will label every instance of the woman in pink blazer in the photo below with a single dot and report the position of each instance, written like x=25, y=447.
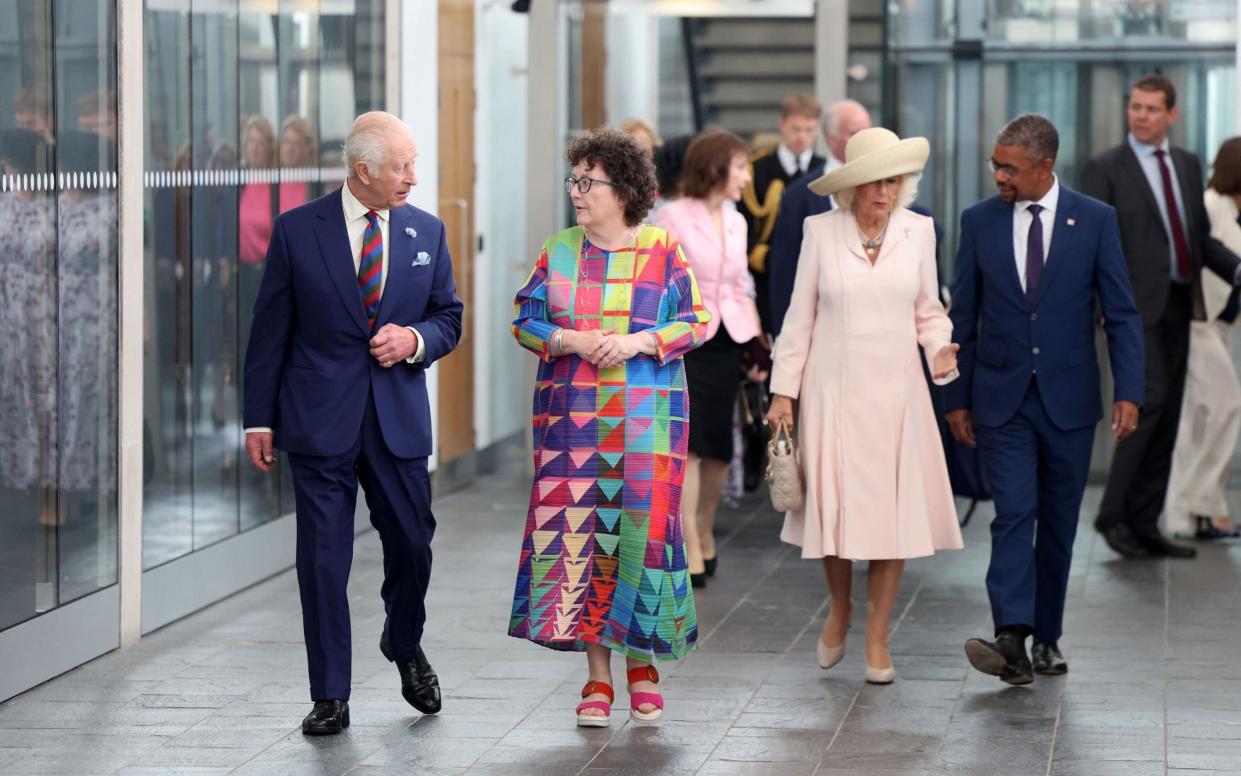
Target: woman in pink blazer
x=713, y=235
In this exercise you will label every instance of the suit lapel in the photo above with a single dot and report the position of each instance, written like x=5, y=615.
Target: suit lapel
x=400, y=261
x=1003, y=251
x=1061, y=238
x=337, y=254
x=1180, y=166
x=1130, y=164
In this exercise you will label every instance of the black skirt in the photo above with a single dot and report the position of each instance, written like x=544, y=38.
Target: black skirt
x=713, y=372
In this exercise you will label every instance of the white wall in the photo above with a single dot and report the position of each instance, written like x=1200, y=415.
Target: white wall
x=419, y=99
x=632, y=67
x=502, y=393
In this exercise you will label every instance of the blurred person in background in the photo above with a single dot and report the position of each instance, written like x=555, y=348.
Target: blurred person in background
x=713, y=235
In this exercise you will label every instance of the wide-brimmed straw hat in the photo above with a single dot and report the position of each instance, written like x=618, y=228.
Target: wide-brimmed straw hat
x=873, y=155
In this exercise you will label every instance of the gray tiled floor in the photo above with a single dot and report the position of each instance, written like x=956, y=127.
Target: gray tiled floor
x=1154, y=687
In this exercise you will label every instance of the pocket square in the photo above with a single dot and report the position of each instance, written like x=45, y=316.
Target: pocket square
x=422, y=258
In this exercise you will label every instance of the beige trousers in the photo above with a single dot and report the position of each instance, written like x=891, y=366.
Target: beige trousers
x=1207, y=435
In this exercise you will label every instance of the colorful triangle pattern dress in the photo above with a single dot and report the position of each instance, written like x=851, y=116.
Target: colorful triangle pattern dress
x=603, y=557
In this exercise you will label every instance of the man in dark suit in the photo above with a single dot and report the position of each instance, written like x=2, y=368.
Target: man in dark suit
x=356, y=301
x=844, y=120
x=769, y=174
x=1031, y=264
x=1157, y=192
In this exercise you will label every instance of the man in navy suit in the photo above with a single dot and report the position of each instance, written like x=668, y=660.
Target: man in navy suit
x=357, y=300
x=1032, y=264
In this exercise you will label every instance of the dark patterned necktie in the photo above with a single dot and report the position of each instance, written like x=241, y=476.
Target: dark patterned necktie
x=1174, y=218
x=1034, y=253
x=370, y=267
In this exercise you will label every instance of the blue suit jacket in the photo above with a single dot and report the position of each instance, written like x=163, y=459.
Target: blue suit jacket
x=1004, y=339
x=308, y=365
x=784, y=249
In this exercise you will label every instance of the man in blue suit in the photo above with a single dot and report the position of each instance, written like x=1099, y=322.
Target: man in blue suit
x=357, y=300
x=1032, y=265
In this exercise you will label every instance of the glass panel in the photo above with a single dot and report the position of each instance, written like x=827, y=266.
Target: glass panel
x=216, y=420
x=57, y=304
x=167, y=526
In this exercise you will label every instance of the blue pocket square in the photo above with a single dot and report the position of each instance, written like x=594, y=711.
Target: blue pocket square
x=422, y=258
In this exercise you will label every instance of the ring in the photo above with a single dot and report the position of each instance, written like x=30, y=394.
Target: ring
x=387, y=364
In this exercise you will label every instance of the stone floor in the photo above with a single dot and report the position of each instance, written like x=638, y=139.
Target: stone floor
x=1154, y=686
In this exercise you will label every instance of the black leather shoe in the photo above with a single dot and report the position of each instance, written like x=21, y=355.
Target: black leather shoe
x=326, y=718
x=1121, y=539
x=1157, y=545
x=1046, y=659
x=1005, y=658
x=420, y=686
x=710, y=563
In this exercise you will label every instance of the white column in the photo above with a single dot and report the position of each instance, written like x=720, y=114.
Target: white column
x=544, y=126
x=417, y=73
x=831, y=49
x=130, y=147
x=1237, y=72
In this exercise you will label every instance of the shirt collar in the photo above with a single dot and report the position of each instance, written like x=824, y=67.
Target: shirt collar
x=354, y=209
x=1049, y=201
x=1146, y=149
x=796, y=162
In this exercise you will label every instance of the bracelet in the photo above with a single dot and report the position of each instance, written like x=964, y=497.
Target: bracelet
x=556, y=346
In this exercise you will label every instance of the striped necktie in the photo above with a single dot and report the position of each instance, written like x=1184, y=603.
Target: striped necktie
x=370, y=268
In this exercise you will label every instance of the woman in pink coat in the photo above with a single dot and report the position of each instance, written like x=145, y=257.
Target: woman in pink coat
x=864, y=299
x=713, y=235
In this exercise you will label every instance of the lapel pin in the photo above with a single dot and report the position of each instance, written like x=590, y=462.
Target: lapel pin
x=1071, y=221
x=409, y=230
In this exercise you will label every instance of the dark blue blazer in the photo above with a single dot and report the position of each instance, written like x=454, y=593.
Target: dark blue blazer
x=308, y=365
x=1004, y=339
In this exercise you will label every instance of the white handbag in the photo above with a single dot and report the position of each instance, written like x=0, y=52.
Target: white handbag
x=784, y=471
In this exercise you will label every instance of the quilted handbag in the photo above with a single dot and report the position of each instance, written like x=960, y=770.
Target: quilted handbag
x=784, y=471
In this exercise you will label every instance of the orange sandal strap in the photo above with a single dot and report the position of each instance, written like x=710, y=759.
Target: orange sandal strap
x=646, y=673
x=602, y=688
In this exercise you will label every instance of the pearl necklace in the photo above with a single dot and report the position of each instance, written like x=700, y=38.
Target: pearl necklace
x=871, y=245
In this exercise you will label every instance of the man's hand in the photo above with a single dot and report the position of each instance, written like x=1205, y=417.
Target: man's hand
x=1124, y=419
x=258, y=447
x=393, y=344
x=961, y=423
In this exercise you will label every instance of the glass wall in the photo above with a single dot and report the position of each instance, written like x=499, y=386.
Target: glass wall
x=957, y=70
x=248, y=103
x=58, y=304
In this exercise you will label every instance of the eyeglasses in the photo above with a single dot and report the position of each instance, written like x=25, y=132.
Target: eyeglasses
x=1007, y=170
x=583, y=184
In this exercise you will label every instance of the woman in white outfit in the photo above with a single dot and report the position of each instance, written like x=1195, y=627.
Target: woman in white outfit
x=1211, y=413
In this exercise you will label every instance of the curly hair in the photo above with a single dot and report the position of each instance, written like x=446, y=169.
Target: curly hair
x=625, y=162
x=708, y=161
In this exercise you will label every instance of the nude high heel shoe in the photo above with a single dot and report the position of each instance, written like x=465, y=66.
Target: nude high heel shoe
x=829, y=656
x=880, y=675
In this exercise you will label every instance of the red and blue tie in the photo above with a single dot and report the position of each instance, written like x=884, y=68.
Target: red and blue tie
x=370, y=268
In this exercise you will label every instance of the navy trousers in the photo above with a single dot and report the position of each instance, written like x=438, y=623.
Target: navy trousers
x=1037, y=474
x=398, y=493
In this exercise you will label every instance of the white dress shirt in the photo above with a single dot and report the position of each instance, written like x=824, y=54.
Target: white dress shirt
x=794, y=164
x=1022, y=219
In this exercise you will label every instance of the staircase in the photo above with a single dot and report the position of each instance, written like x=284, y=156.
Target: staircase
x=742, y=68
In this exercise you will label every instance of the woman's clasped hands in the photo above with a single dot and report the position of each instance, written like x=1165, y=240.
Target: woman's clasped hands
x=605, y=348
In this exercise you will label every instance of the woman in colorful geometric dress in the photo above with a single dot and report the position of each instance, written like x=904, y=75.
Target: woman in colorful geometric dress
x=610, y=308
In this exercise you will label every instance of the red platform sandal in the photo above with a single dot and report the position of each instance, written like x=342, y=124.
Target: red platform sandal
x=646, y=673
x=593, y=720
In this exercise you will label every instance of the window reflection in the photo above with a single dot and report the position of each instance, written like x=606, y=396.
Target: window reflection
x=58, y=274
